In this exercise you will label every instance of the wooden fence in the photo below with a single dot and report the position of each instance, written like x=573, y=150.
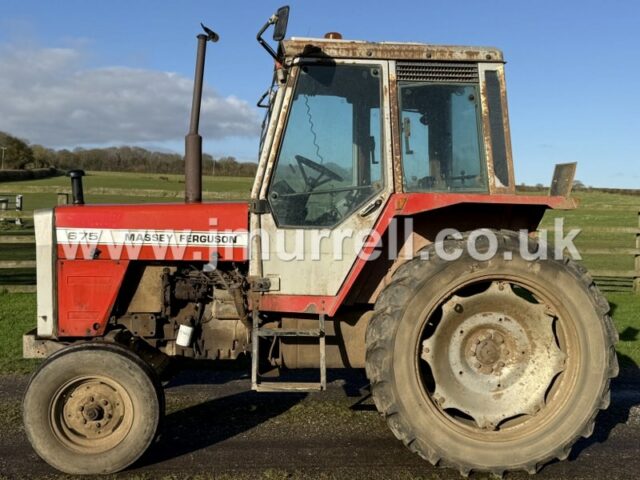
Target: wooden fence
x=16, y=215
x=617, y=280
x=12, y=209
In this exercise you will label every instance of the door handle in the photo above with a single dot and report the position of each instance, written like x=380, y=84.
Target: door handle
x=371, y=208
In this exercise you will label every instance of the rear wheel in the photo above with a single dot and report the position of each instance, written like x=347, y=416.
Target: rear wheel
x=92, y=408
x=491, y=365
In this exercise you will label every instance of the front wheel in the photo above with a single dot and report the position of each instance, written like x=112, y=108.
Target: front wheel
x=92, y=409
x=492, y=365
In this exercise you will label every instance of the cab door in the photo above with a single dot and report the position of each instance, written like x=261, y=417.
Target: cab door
x=330, y=175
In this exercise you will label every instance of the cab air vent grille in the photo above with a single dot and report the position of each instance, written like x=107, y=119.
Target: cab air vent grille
x=446, y=72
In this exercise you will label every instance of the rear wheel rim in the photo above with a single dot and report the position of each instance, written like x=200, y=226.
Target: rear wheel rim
x=457, y=356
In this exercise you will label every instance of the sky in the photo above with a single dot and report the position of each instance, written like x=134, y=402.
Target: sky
x=89, y=73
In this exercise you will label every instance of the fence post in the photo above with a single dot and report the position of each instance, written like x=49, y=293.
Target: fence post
x=18, y=209
x=63, y=198
x=636, y=280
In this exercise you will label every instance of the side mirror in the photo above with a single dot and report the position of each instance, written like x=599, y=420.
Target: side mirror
x=282, y=19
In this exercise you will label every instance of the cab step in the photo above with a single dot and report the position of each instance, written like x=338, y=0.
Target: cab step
x=276, y=386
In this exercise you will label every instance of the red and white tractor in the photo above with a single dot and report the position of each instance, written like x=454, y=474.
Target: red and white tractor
x=383, y=232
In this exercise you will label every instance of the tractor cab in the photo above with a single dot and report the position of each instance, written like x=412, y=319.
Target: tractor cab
x=347, y=109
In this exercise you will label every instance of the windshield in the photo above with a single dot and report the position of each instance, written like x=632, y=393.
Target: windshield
x=441, y=147
x=329, y=162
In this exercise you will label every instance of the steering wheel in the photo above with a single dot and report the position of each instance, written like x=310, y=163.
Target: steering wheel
x=462, y=177
x=322, y=171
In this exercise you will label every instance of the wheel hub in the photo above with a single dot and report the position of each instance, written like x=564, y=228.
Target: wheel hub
x=493, y=356
x=92, y=413
x=486, y=350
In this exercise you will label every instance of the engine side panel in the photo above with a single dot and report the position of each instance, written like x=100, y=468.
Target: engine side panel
x=86, y=292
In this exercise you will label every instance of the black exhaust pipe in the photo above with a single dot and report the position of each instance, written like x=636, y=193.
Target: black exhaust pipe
x=76, y=186
x=193, y=140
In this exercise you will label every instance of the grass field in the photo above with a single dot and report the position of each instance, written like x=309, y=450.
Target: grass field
x=118, y=187
x=17, y=311
x=17, y=316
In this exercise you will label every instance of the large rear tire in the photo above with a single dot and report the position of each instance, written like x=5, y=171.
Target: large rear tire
x=493, y=365
x=93, y=408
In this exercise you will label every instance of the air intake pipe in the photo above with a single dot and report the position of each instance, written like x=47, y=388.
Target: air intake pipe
x=193, y=140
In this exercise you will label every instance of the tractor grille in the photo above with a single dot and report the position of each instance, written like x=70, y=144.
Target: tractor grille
x=446, y=72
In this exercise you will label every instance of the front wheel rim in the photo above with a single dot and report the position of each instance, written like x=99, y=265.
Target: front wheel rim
x=91, y=414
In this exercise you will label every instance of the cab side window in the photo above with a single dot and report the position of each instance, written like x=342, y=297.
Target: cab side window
x=441, y=141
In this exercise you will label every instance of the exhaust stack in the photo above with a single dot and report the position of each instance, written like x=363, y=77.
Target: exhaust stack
x=193, y=140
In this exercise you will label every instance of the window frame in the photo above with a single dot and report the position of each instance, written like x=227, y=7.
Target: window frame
x=486, y=124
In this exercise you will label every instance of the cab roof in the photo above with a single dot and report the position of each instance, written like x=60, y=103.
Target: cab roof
x=322, y=47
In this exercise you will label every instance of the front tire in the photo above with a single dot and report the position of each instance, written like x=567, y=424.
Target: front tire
x=492, y=365
x=93, y=408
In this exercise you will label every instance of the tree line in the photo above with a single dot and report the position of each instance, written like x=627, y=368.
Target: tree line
x=18, y=154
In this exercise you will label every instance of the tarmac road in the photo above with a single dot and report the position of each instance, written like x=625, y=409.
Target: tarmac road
x=216, y=428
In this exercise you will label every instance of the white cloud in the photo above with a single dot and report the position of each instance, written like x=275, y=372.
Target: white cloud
x=49, y=96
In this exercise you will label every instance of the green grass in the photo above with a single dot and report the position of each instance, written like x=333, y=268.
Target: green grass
x=17, y=316
x=138, y=181
x=120, y=187
x=35, y=200
x=625, y=310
